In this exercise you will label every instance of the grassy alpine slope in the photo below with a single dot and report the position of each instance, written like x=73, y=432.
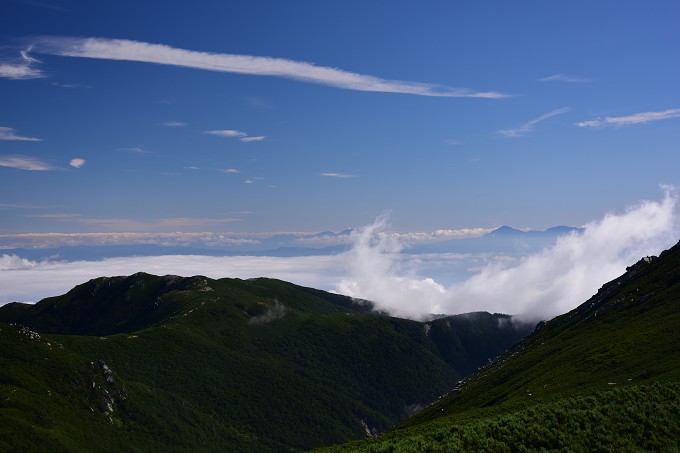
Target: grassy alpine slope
x=148, y=363
x=605, y=376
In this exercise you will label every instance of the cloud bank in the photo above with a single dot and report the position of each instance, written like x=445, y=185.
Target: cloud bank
x=23, y=280
x=127, y=50
x=537, y=286
x=540, y=286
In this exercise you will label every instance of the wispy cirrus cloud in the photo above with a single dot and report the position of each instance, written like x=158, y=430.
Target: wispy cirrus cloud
x=226, y=133
x=257, y=138
x=22, y=206
x=133, y=149
x=70, y=85
x=230, y=170
x=173, y=124
x=528, y=127
x=54, y=215
x=637, y=118
x=564, y=78
x=45, y=5
x=134, y=225
x=19, y=71
x=8, y=134
x=231, y=133
x=21, y=68
x=24, y=163
x=334, y=174
x=128, y=50
x=202, y=238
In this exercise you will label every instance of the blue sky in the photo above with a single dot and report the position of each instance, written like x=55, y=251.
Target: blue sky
x=163, y=116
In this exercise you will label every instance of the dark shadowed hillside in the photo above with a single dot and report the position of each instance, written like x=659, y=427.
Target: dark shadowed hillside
x=174, y=363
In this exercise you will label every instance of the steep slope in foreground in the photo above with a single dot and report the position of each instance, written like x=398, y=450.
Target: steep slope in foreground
x=167, y=363
x=604, y=376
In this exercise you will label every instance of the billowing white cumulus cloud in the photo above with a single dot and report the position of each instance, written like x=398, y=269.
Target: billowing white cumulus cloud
x=127, y=50
x=528, y=127
x=10, y=262
x=77, y=162
x=539, y=286
x=375, y=273
x=24, y=163
x=637, y=118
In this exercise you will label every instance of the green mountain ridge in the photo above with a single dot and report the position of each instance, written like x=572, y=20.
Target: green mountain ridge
x=602, y=377
x=178, y=364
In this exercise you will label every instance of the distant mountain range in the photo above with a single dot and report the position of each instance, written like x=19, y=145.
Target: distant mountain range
x=501, y=240
x=147, y=363
x=504, y=239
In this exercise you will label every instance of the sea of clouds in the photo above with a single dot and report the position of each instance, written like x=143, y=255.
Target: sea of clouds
x=378, y=268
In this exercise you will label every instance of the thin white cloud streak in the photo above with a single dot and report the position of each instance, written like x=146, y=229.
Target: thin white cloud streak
x=137, y=226
x=45, y=5
x=258, y=138
x=226, y=133
x=528, y=127
x=53, y=240
x=333, y=174
x=564, y=78
x=53, y=215
x=24, y=163
x=77, y=162
x=637, y=118
x=133, y=149
x=540, y=286
x=127, y=50
x=8, y=134
x=173, y=124
x=23, y=206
